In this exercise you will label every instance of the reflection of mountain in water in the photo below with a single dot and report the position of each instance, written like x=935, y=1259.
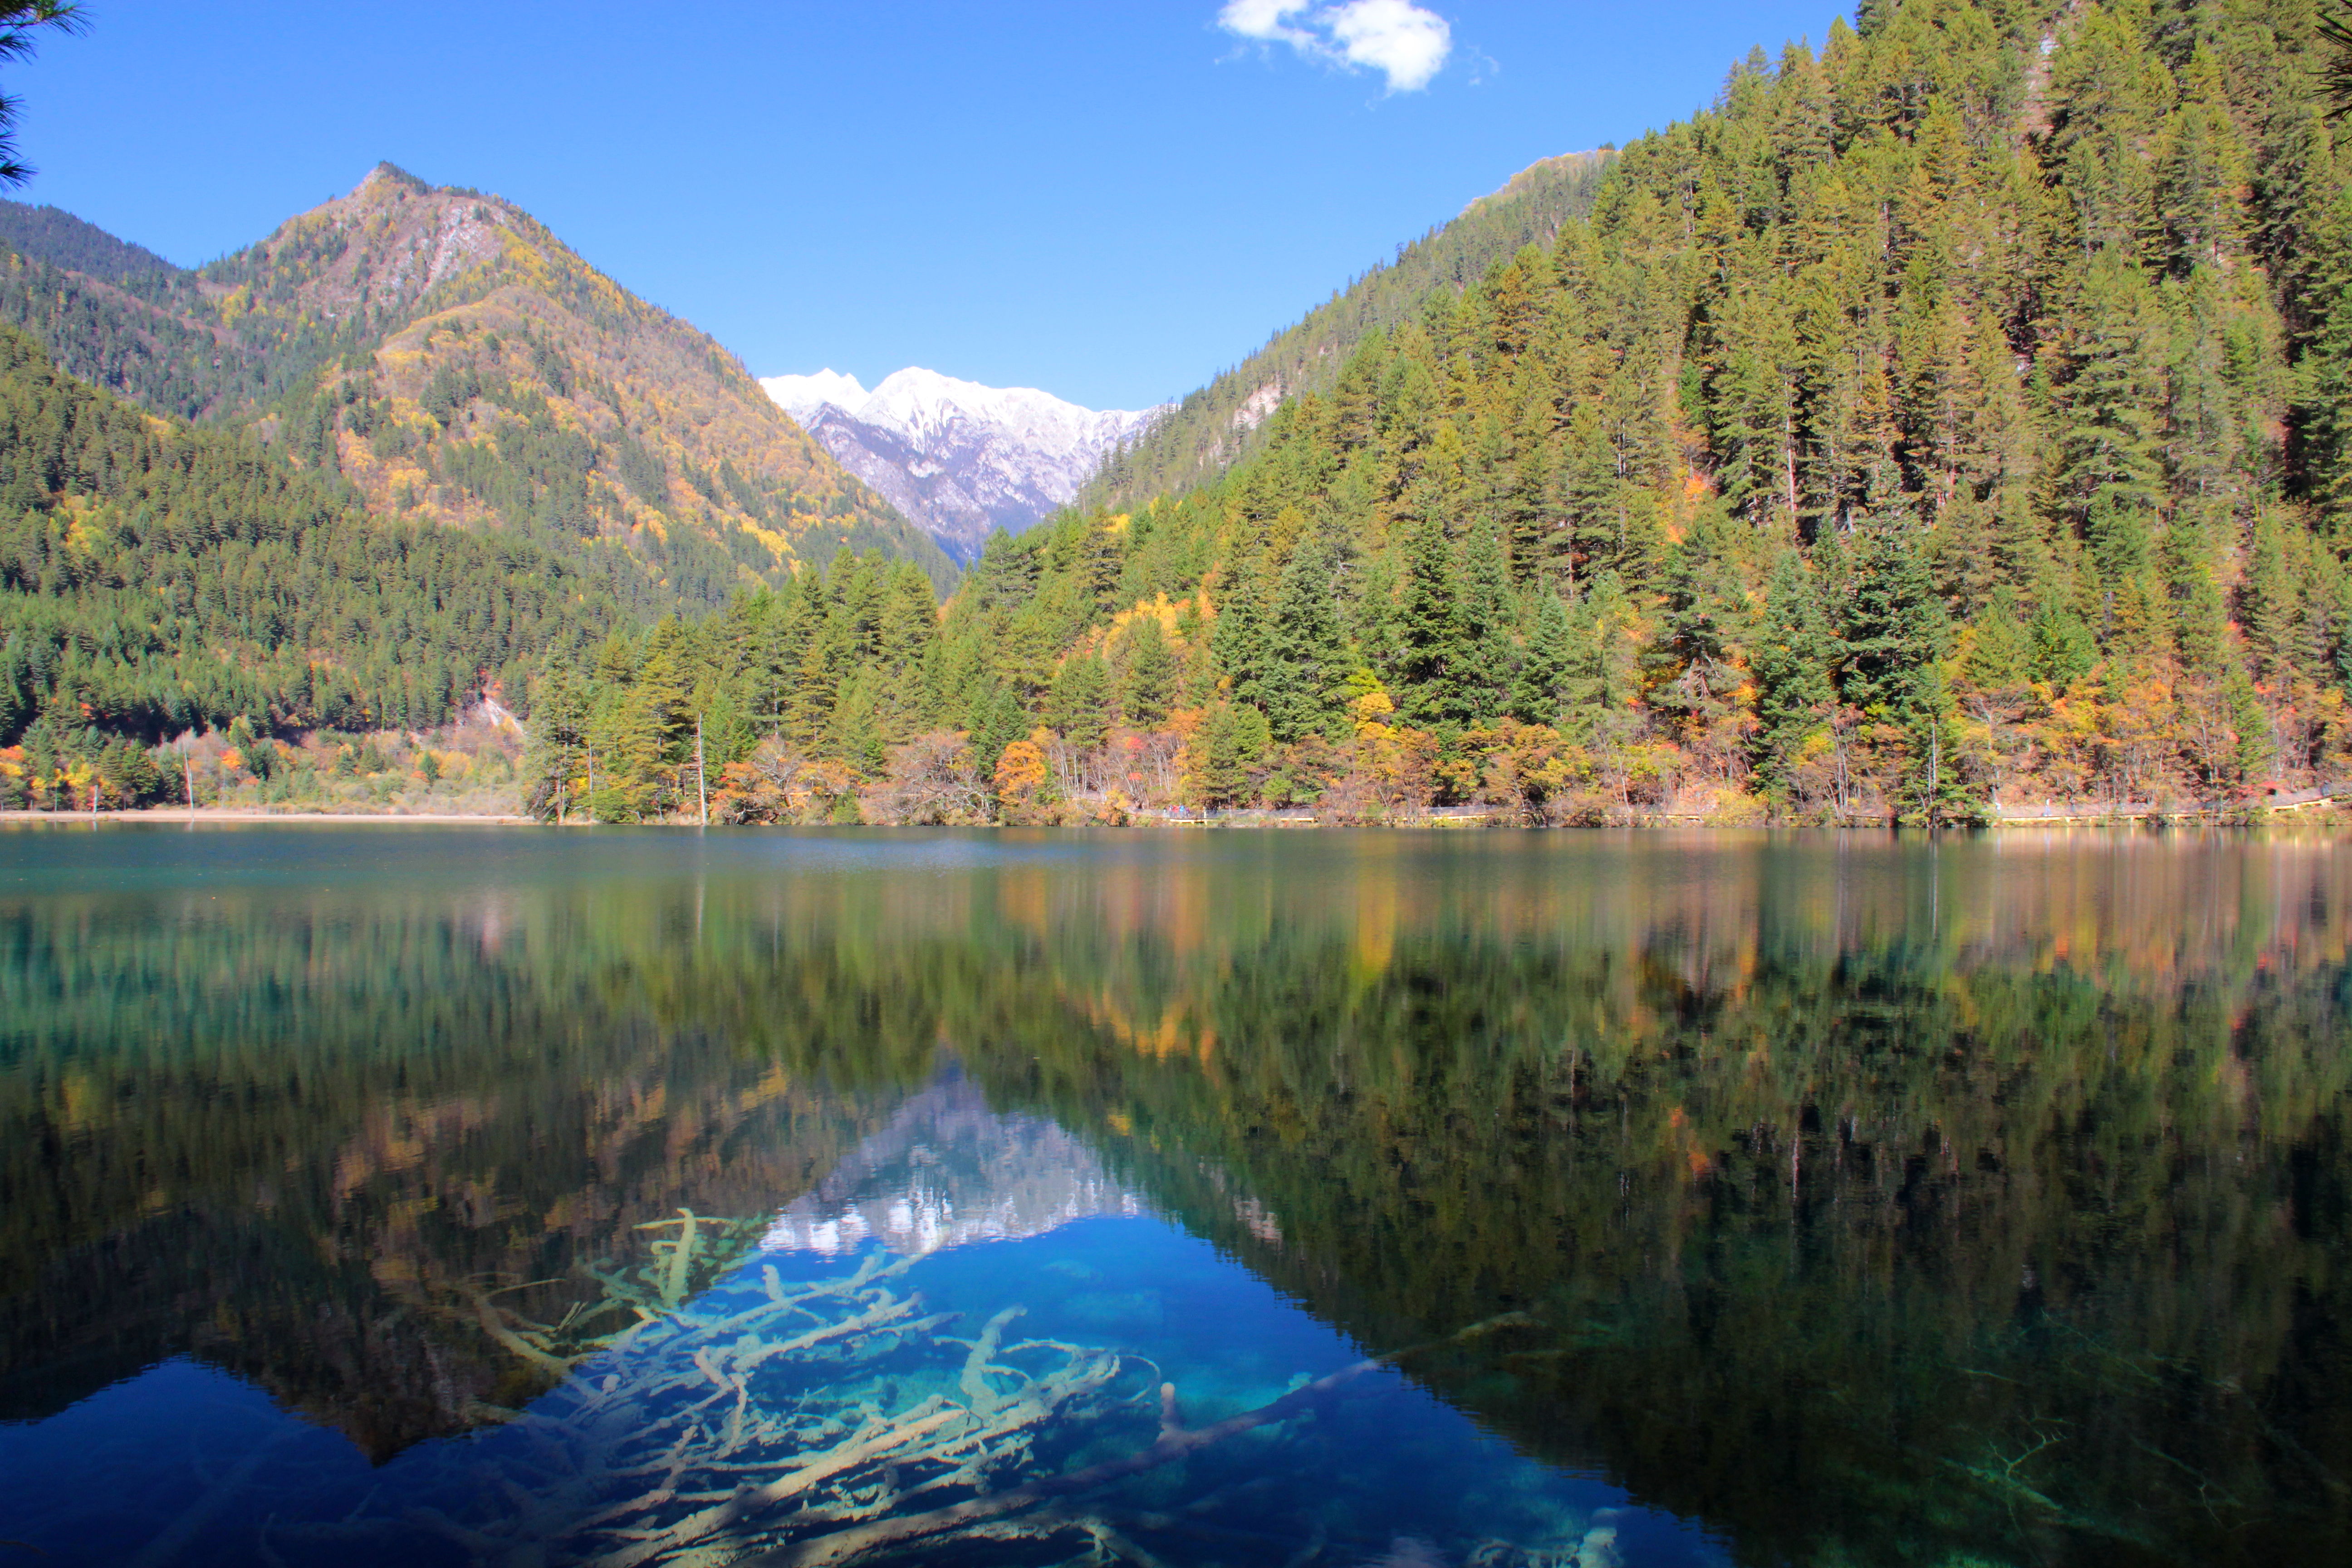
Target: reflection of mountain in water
x=1850, y=1188
x=948, y=1170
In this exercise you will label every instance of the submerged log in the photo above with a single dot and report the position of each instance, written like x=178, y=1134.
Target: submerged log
x=1175, y=1442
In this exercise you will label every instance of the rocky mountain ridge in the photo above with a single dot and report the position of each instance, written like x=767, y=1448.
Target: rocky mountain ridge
x=452, y=359
x=962, y=460
x=517, y=381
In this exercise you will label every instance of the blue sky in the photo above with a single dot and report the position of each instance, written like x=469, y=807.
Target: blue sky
x=1110, y=200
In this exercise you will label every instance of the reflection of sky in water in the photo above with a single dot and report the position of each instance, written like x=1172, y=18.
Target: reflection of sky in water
x=186, y=1464
x=1857, y=1183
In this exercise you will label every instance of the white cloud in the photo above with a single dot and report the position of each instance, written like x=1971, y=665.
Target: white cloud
x=1264, y=19
x=1398, y=39
x=1395, y=38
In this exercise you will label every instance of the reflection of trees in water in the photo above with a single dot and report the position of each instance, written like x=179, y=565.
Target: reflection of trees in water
x=298, y=1139
x=1882, y=1195
x=2026, y=1229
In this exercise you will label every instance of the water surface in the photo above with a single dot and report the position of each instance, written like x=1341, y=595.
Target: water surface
x=420, y=1195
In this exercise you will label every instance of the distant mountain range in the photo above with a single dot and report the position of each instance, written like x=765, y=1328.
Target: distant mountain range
x=449, y=357
x=959, y=459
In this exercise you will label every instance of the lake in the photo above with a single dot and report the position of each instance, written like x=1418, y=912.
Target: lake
x=419, y=1196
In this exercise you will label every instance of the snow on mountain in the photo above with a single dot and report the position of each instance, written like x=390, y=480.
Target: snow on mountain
x=802, y=395
x=959, y=459
x=948, y=1172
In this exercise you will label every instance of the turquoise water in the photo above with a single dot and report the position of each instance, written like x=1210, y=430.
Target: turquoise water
x=204, y=1463
x=417, y=1195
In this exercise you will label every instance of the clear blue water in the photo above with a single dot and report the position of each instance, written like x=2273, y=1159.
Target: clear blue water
x=204, y=1464
x=1531, y=1199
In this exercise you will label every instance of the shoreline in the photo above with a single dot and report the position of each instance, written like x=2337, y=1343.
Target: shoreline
x=181, y=814
x=1446, y=818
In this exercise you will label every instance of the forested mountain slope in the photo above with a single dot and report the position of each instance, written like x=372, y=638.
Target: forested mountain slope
x=56, y=237
x=435, y=448
x=156, y=579
x=1960, y=414
x=490, y=371
x=1206, y=431
x=120, y=317
x=459, y=364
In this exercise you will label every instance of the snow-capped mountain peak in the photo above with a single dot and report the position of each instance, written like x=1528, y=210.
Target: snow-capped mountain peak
x=917, y=400
x=958, y=458
x=802, y=395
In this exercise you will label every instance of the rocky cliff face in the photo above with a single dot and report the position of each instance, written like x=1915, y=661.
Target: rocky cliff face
x=960, y=459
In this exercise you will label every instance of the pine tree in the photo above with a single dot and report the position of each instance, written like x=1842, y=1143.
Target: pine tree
x=1895, y=625
x=2134, y=626
x=2200, y=618
x=1105, y=558
x=1794, y=660
x=2250, y=722
x=1231, y=741
x=816, y=685
x=1604, y=678
x=2000, y=651
x=1306, y=658
x=1693, y=666
x=996, y=720
x=1896, y=634
x=856, y=735
x=554, y=763
x=1591, y=491
x=1239, y=640
x=2063, y=648
x=1487, y=652
x=2324, y=413
x=1541, y=690
x=2273, y=601
x=2204, y=173
x=1151, y=673
x=2111, y=402
x=1079, y=705
x=630, y=735
x=1429, y=631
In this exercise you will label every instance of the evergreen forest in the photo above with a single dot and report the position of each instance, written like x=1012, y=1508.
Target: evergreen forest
x=1209, y=429
x=355, y=480
x=158, y=581
x=295, y=511
x=1952, y=416
x=1953, y=419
